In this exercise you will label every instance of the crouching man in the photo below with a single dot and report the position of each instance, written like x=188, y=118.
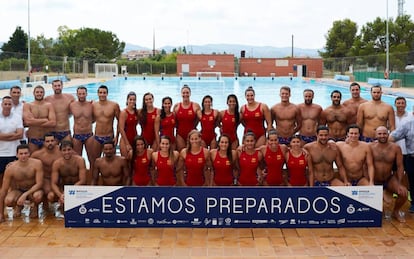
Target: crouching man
x=70, y=169
x=385, y=153
x=24, y=178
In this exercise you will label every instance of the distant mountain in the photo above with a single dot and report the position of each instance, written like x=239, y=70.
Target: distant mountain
x=251, y=51
x=129, y=47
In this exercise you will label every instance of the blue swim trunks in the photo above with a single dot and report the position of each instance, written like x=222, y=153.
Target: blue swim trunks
x=285, y=141
x=59, y=135
x=103, y=139
x=37, y=141
x=337, y=139
x=82, y=137
x=367, y=139
x=323, y=183
x=308, y=139
x=355, y=181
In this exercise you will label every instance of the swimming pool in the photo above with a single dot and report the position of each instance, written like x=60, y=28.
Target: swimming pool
x=266, y=88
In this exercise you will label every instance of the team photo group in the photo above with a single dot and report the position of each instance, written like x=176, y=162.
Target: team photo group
x=48, y=143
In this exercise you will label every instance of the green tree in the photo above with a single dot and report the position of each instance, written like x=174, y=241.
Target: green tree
x=170, y=58
x=74, y=42
x=340, y=39
x=373, y=42
x=402, y=32
x=373, y=36
x=16, y=44
x=46, y=46
x=92, y=54
x=65, y=41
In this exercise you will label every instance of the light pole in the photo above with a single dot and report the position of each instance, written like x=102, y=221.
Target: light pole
x=387, y=43
x=29, y=66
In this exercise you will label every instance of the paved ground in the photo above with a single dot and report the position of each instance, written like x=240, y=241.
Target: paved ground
x=50, y=239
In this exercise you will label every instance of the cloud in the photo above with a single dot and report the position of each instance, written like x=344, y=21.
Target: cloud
x=182, y=22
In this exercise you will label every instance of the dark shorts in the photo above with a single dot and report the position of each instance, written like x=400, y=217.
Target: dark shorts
x=323, y=183
x=338, y=139
x=59, y=135
x=103, y=139
x=37, y=141
x=385, y=183
x=4, y=161
x=308, y=139
x=367, y=139
x=82, y=137
x=355, y=181
x=22, y=190
x=285, y=141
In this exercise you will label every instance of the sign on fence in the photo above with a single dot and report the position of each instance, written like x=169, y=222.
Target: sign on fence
x=227, y=207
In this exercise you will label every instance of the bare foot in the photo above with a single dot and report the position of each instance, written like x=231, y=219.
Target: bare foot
x=398, y=216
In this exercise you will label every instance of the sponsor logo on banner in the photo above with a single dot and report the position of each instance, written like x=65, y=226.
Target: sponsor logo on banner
x=164, y=222
x=133, y=206
x=196, y=222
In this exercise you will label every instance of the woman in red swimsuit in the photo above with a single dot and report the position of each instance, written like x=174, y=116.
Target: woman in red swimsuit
x=150, y=121
x=167, y=121
x=224, y=160
x=194, y=162
x=230, y=120
x=128, y=121
x=185, y=116
x=250, y=158
x=274, y=158
x=165, y=162
x=141, y=162
x=297, y=163
x=253, y=115
x=208, y=120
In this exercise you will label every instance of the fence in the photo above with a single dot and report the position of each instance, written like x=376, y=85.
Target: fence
x=363, y=67
x=17, y=62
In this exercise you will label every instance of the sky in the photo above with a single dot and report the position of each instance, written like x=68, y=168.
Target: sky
x=196, y=22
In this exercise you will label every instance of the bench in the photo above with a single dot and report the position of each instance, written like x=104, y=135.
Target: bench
x=380, y=82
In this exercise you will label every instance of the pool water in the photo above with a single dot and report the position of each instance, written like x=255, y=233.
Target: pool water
x=266, y=88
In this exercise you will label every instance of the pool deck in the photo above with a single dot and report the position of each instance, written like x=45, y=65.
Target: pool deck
x=50, y=239
x=407, y=92
x=403, y=91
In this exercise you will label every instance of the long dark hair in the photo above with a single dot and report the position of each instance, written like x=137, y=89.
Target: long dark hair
x=134, y=148
x=135, y=106
x=144, y=110
x=202, y=102
x=163, y=114
x=236, y=109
